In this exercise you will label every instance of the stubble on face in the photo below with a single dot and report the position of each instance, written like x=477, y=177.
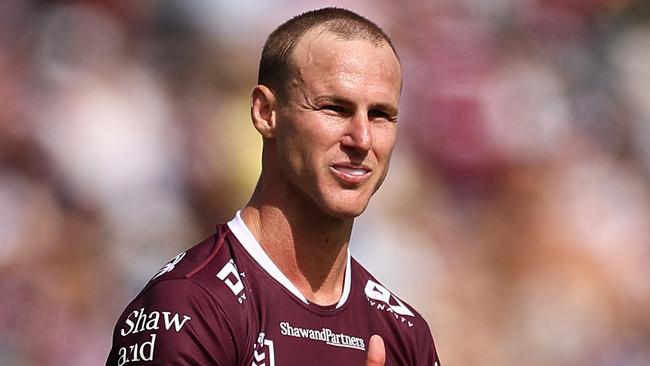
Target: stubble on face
x=337, y=129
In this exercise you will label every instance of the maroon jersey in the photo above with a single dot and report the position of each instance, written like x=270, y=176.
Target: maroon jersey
x=224, y=302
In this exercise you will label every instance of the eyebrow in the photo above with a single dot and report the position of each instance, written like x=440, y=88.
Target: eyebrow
x=386, y=107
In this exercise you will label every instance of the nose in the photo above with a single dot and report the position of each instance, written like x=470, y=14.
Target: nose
x=358, y=135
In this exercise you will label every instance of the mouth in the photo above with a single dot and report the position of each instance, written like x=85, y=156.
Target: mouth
x=350, y=174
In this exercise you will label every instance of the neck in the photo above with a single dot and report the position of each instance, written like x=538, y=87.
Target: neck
x=307, y=245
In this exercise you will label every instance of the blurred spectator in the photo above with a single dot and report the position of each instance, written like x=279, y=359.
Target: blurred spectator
x=518, y=195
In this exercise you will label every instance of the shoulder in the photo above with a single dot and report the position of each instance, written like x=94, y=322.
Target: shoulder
x=380, y=297
x=193, y=261
x=207, y=273
x=184, y=310
x=400, y=322
x=208, y=268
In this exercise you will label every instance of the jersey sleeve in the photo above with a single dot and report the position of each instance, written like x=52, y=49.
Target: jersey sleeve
x=428, y=355
x=173, y=322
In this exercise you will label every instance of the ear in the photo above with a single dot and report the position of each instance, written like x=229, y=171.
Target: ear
x=264, y=111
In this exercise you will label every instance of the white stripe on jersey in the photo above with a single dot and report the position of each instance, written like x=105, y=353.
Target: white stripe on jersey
x=253, y=247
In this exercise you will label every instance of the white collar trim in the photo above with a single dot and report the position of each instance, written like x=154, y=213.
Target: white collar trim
x=253, y=247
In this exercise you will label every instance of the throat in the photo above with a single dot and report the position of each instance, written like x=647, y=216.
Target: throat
x=314, y=258
x=317, y=269
x=321, y=278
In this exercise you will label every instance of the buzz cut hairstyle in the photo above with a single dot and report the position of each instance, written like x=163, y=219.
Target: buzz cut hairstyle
x=275, y=69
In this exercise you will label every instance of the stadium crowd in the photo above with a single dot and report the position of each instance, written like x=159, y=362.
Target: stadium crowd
x=518, y=196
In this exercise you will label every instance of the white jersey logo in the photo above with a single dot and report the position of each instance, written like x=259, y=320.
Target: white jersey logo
x=326, y=335
x=378, y=292
x=169, y=266
x=231, y=277
x=263, y=353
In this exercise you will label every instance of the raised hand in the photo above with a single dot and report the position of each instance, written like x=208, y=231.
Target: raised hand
x=376, y=352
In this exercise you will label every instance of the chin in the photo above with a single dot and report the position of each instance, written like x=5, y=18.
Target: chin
x=345, y=210
x=343, y=203
x=346, y=214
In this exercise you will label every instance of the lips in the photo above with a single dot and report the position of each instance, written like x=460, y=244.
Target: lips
x=351, y=174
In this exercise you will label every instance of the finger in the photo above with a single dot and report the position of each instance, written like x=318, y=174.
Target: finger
x=376, y=352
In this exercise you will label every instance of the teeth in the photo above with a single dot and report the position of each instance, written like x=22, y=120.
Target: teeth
x=351, y=171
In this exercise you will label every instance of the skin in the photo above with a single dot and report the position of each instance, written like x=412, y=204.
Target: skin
x=326, y=152
x=376, y=352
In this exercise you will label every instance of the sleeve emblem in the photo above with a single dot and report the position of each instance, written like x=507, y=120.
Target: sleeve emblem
x=169, y=266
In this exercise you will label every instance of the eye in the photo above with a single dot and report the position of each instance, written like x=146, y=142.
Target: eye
x=380, y=114
x=333, y=108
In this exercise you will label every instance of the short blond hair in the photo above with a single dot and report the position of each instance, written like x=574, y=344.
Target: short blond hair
x=275, y=68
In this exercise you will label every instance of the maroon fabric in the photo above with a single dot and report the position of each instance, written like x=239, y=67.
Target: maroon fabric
x=214, y=305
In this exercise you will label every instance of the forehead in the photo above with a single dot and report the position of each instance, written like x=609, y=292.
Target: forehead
x=325, y=62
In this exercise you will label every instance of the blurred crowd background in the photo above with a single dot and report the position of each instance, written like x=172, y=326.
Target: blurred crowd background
x=516, y=216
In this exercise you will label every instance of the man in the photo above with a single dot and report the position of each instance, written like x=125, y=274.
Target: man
x=276, y=285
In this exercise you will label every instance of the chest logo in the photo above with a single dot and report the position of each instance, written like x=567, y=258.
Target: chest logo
x=263, y=352
x=387, y=301
x=325, y=335
x=232, y=278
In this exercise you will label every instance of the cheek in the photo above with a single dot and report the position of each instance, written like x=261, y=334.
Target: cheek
x=315, y=138
x=384, y=141
x=299, y=149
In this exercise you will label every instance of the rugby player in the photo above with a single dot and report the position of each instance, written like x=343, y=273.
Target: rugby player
x=276, y=285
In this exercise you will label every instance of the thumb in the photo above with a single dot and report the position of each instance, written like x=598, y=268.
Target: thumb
x=376, y=352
